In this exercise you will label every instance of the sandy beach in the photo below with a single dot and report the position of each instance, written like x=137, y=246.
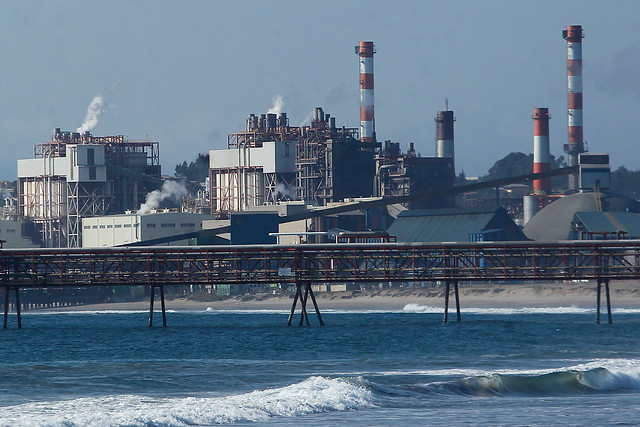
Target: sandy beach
x=624, y=294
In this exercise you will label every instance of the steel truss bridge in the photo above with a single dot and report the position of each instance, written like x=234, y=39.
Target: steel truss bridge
x=304, y=265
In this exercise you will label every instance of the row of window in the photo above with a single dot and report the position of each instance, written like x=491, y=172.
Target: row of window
x=9, y=230
x=172, y=225
x=163, y=225
x=88, y=227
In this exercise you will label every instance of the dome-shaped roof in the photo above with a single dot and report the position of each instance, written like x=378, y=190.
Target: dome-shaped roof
x=554, y=221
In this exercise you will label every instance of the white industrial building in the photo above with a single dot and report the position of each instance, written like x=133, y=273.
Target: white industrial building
x=11, y=236
x=258, y=167
x=75, y=175
x=116, y=230
x=249, y=176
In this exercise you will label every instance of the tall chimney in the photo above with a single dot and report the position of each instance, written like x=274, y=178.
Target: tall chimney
x=541, y=153
x=573, y=35
x=444, y=135
x=367, y=121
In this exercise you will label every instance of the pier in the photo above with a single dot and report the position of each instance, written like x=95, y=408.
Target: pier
x=304, y=265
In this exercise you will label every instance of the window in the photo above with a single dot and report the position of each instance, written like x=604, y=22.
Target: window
x=127, y=226
x=189, y=224
x=109, y=226
x=87, y=227
x=91, y=158
x=151, y=226
x=11, y=230
x=92, y=173
x=118, y=225
x=94, y=227
x=167, y=225
x=103, y=226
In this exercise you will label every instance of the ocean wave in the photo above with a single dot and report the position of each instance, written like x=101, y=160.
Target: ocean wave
x=602, y=375
x=605, y=375
x=416, y=308
x=313, y=395
x=90, y=312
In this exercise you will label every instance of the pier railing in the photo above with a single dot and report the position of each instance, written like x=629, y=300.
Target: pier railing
x=511, y=261
x=303, y=265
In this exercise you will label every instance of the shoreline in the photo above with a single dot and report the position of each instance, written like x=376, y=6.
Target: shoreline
x=624, y=294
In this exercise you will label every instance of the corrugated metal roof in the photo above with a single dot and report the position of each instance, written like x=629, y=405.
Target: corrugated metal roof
x=448, y=225
x=630, y=221
x=596, y=222
x=554, y=221
x=599, y=222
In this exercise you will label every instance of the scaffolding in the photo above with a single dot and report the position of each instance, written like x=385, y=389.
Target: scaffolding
x=257, y=168
x=399, y=174
x=56, y=201
x=332, y=163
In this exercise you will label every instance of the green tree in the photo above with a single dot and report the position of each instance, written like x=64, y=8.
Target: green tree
x=626, y=182
x=196, y=171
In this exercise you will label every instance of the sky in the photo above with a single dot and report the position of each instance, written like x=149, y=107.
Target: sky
x=187, y=73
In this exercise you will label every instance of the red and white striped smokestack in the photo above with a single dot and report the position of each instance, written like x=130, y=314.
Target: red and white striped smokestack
x=573, y=34
x=367, y=122
x=541, y=153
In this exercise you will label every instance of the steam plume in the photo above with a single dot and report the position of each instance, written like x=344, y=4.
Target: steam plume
x=170, y=189
x=307, y=120
x=93, y=113
x=285, y=190
x=277, y=104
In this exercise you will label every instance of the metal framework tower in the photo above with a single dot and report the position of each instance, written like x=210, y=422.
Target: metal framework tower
x=365, y=51
x=574, y=35
x=60, y=186
x=541, y=154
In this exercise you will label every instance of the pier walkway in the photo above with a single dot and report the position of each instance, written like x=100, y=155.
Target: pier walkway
x=304, y=265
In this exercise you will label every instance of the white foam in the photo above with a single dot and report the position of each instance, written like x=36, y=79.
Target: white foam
x=415, y=308
x=621, y=373
x=313, y=395
x=621, y=368
x=90, y=312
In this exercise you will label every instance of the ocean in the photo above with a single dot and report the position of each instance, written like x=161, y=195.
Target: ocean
x=496, y=367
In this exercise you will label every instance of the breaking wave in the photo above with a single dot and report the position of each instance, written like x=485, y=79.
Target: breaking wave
x=594, y=377
x=313, y=395
x=416, y=308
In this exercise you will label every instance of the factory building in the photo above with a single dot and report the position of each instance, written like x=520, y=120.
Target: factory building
x=593, y=213
x=271, y=162
x=401, y=174
x=75, y=175
x=256, y=168
x=15, y=234
x=455, y=225
x=131, y=227
x=332, y=163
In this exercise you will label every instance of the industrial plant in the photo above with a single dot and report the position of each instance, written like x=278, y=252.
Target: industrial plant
x=85, y=190
x=76, y=175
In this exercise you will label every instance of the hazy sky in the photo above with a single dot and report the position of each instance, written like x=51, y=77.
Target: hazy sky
x=187, y=73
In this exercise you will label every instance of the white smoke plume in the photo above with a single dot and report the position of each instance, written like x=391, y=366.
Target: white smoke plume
x=93, y=114
x=307, y=120
x=170, y=190
x=287, y=192
x=277, y=105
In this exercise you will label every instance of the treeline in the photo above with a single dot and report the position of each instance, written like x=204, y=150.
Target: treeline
x=623, y=180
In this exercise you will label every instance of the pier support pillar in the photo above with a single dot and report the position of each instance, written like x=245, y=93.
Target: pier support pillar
x=598, y=298
x=151, y=300
x=6, y=305
x=447, y=291
x=304, y=316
